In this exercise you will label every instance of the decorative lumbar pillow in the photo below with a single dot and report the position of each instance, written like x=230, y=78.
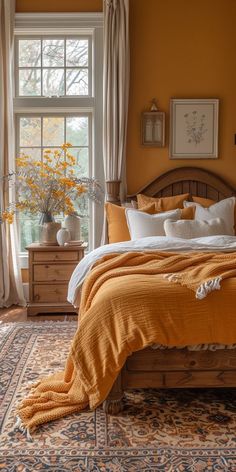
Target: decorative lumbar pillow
x=142, y=225
x=224, y=209
x=163, y=203
x=188, y=229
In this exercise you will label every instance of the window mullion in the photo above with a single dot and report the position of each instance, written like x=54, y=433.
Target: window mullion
x=41, y=138
x=41, y=63
x=65, y=83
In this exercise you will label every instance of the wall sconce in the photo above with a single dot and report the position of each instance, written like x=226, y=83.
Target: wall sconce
x=153, y=127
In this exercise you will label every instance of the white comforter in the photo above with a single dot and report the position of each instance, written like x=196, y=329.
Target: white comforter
x=160, y=243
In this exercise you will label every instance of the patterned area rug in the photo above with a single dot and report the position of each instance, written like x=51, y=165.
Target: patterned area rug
x=165, y=430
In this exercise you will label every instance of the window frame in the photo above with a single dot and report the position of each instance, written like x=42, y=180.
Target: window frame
x=89, y=25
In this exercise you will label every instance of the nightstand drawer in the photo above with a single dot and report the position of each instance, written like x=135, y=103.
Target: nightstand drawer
x=50, y=293
x=55, y=256
x=52, y=272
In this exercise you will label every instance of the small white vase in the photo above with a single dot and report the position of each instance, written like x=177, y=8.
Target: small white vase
x=63, y=236
x=72, y=223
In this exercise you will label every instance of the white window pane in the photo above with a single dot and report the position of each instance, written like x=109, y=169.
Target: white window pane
x=29, y=229
x=76, y=52
x=30, y=131
x=35, y=153
x=76, y=81
x=53, y=82
x=53, y=52
x=77, y=130
x=84, y=229
x=29, y=52
x=53, y=131
x=82, y=161
x=29, y=82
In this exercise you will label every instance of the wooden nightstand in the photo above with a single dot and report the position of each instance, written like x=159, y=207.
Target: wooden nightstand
x=50, y=269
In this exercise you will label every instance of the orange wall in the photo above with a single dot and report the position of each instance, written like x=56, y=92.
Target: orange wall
x=181, y=49
x=58, y=5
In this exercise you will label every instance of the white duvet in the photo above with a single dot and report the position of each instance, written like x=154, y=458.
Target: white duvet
x=160, y=243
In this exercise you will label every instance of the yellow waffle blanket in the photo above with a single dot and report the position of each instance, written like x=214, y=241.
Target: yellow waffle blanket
x=128, y=303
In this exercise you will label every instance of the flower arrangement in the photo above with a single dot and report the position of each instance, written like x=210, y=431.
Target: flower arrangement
x=50, y=186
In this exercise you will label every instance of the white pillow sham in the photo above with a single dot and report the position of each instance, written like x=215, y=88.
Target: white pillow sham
x=223, y=209
x=188, y=229
x=142, y=225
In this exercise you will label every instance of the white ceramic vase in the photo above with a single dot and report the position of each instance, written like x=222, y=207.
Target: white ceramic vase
x=63, y=236
x=72, y=223
x=49, y=233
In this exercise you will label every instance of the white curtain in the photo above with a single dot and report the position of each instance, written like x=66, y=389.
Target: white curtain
x=11, y=289
x=115, y=89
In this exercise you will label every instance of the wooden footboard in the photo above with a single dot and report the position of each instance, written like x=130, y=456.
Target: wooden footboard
x=173, y=368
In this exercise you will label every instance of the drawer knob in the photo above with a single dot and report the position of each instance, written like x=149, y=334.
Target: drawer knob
x=37, y=297
x=192, y=363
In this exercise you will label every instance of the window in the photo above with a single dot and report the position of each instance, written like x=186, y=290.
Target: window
x=56, y=66
x=40, y=132
x=58, y=98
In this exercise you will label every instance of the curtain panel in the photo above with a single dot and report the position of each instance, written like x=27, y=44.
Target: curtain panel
x=115, y=95
x=11, y=289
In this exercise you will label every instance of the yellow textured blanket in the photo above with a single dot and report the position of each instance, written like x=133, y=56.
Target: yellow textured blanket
x=126, y=305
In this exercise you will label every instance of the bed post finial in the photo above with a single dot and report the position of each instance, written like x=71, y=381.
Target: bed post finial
x=113, y=191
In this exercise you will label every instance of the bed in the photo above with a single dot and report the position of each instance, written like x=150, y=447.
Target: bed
x=146, y=303
x=177, y=368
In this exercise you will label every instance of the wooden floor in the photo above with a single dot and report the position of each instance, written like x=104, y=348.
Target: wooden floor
x=16, y=313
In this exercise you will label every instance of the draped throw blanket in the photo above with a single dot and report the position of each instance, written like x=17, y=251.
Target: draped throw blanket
x=11, y=289
x=127, y=305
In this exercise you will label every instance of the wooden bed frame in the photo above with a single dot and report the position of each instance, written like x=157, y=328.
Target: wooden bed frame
x=176, y=368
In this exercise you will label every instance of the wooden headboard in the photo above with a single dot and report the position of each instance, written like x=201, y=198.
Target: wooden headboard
x=193, y=180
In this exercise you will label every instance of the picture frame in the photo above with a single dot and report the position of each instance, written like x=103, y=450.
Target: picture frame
x=194, y=128
x=153, y=129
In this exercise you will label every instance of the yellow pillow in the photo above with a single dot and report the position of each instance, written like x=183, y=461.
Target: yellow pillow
x=116, y=221
x=188, y=213
x=163, y=203
x=205, y=202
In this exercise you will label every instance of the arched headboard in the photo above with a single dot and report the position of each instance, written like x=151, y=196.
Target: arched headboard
x=193, y=180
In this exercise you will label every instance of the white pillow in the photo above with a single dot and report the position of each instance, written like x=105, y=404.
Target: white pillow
x=189, y=229
x=141, y=224
x=223, y=209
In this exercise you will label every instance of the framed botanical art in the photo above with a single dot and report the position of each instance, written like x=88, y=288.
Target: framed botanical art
x=153, y=129
x=194, y=128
